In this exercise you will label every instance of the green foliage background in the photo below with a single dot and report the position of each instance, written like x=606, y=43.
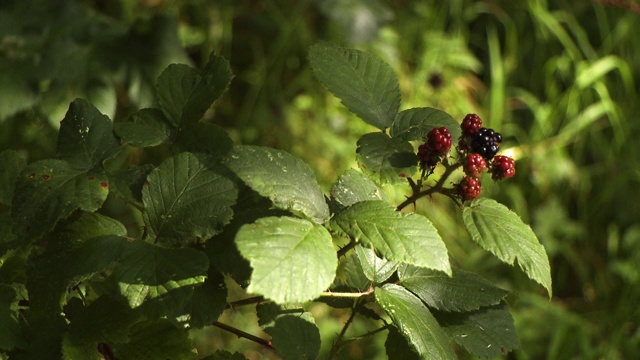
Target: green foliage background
x=558, y=78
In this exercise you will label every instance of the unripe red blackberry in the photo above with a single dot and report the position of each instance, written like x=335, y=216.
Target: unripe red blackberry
x=427, y=156
x=471, y=124
x=502, y=167
x=486, y=142
x=474, y=165
x=439, y=140
x=469, y=188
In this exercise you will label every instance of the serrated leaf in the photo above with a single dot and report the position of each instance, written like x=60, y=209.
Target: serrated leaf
x=49, y=190
x=501, y=232
x=268, y=312
x=9, y=326
x=415, y=322
x=375, y=269
x=464, y=291
x=366, y=85
x=148, y=127
x=293, y=260
x=397, y=346
x=281, y=177
x=107, y=320
x=204, y=138
x=11, y=165
x=353, y=187
x=162, y=278
x=415, y=124
x=225, y=355
x=214, y=79
x=86, y=136
x=187, y=196
x=209, y=300
x=409, y=238
x=156, y=340
x=127, y=183
x=173, y=90
x=295, y=337
x=386, y=159
x=488, y=332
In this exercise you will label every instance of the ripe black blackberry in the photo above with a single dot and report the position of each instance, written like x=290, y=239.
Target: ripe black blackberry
x=486, y=142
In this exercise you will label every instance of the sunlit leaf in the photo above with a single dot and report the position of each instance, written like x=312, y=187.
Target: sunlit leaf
x=415, y=124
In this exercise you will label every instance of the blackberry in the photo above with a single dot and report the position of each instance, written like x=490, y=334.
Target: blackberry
x=469, y=188
x=471, y=124
x=439, y=139
x=474, y=165
x=486, y=143
x=502, y=167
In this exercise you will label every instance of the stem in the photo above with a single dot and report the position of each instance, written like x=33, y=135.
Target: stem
x=438, y=187
x=247, y=301
x=347, y=294
x=346, y=248
x=337, y=343
x=241, y=334
x=372, y=332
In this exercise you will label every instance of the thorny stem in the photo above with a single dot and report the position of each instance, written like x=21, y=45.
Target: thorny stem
x=247, y=301
x=336, y=344
x=372, y=332
x=241, y=334
x=438, y=187
x=347, y=294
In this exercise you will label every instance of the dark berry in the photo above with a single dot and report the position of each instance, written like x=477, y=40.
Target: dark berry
x=469, y=188
x=471, y=124
x=502, y=167
x=486, y=142
x=474, y=165
x=427, y=156
x=439, y=140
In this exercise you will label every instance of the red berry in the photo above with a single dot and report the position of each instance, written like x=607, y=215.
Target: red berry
x=471, y=124
x=469, y=188
x=427, y=157
x=502, y=167
x=439, y=140
x=474, y=165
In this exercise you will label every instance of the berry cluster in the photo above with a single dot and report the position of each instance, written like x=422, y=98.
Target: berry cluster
x=477, y=149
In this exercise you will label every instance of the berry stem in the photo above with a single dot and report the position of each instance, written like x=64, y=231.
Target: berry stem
x=438, y=187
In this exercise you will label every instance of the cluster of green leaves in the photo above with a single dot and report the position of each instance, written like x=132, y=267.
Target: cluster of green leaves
x=76, y=283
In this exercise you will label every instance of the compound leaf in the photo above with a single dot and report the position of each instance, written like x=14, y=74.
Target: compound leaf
x=281, y=177
x=415, y=124
x=501, y=232
x=293, y=260
x=386, y=159
x=464, y=291
x=187, y=196
x=409, y=238
x=414, y=320
x=366, y=85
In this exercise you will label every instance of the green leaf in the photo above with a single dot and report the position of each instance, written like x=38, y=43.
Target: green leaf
x=386, y=159
x=486, y=333
x=293, y=260
x=366, y=85
x=148, y=127
x=108, y=319
x=213, y=81
x=409, y=238
x=156, y=340
x=295, y=337
x=11, y=164
x=49, y=190
x=187, y=196
x=500, y=231
x=415, y=124
x=209, y=300
x=353, y=187
x=86, y=136
x=204, y=138
x=397, y=346
x=415, y=322
x=9, y=326
x=225, y=355
x=162, y=278
x=375, y=269
x=127, y=183
x=173, y=90
x=464, y=291
x=281, y=177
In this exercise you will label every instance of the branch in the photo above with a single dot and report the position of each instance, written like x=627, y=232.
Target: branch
x=347, y=294
x=241, y=334
x=438, y=187
x=247, y=301
x=346, y=248
x=336, y=344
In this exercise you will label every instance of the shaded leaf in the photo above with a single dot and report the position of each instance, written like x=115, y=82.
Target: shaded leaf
x=415, y=322
x=204, y=138
x=501, y=231
x=187, y=196
x=107, y=319
x=281, y=177
x=386, y=159
x=127, y=183
x=464, y=291
x=366, y=85
x=149, y=127
x=209, y=300
x=156, y=340
x=86, y=136
x=214, y=79
x=293, y=260
x=295, y=337
x=9, y=326
x=415, y=124
x=409, y=238
x=397, y=346
x=11, y=165
x=173, y=90
x=225, y=355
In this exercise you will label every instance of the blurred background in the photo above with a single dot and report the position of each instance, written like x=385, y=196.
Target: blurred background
x=559, y=79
